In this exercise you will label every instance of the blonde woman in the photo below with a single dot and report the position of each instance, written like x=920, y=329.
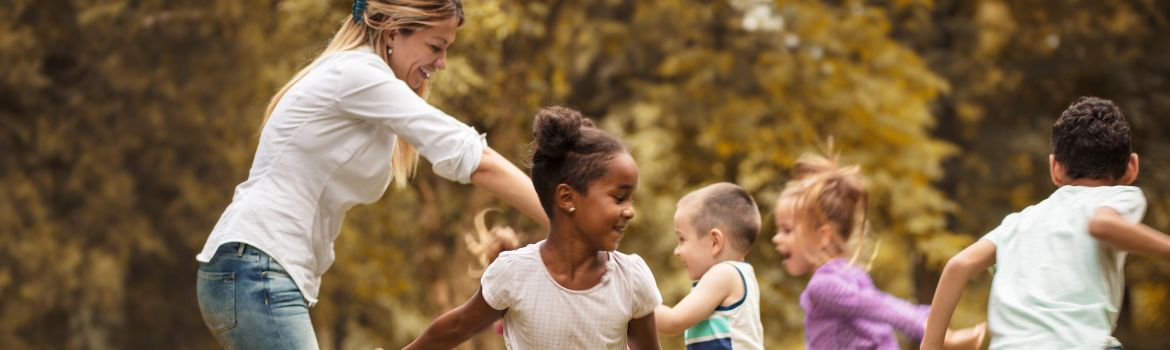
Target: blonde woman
x=334, y=136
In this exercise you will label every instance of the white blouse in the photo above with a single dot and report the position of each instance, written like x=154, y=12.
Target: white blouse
x=325, y=148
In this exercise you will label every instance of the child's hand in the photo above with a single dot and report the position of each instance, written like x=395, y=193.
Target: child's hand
x=966, y=338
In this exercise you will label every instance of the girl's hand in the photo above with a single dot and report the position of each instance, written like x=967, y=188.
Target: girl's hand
x=965, y=339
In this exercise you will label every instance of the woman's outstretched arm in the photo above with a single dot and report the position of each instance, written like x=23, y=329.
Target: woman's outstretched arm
x=504, y=180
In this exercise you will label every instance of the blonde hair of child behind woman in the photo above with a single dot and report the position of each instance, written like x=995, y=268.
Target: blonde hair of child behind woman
x=826, y=193
x=487, y=244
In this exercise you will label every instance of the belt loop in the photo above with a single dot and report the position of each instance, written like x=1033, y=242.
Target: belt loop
x=240, y=252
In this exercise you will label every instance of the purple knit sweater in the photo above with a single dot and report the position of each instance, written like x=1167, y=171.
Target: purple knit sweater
x=843, y=310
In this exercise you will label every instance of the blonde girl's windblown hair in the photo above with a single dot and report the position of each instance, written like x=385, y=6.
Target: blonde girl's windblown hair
x=367, y=26
x=487, y=244
x=827, y=194
x=835, y=198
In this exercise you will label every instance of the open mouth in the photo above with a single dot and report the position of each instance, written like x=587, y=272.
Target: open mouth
x=620, y=228
x=783, y=255
x=426, y=74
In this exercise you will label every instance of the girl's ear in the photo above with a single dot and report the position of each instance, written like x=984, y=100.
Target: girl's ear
x=718, y=241
x=825, y=237
x=565, y=198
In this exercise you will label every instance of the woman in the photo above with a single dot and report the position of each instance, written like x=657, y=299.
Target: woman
x=335, y=136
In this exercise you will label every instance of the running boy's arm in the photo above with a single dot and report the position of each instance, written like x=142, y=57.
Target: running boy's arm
x=458, y=325
x=1108, y=226
x=640, y=333
x=712, y=289
x=959, y=270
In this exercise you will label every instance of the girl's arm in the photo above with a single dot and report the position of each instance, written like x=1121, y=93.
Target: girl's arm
x=504, y=180
x=458, y=325
x=714, y=287
x=641, y=335
x=837, y=296
x=959, y=270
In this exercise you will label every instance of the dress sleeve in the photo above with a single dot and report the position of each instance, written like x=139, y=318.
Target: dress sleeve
x=835, y=296
x=371, y=92
x=643, y=287
x=496, y=283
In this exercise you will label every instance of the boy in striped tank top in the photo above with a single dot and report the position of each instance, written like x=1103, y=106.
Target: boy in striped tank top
x=715, y=227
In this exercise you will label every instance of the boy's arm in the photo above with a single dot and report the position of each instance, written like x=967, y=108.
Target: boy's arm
x=1108, y=226
x=713, y=288
x=959, y=270
x=640, y=333
x=457, y=325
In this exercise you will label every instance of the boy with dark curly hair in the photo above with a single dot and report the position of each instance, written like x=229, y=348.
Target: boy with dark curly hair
x=1059, y=275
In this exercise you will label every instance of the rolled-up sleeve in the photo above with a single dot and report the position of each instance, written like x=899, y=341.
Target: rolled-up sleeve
x=369, y=90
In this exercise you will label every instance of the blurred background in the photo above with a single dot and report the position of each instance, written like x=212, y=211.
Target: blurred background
x=125, y=125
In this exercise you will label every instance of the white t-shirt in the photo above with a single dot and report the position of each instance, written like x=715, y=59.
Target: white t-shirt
x=327, y=147
x=1055, y=286
x=542, y=314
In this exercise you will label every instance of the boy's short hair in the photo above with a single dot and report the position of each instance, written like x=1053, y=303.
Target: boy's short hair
x=1091, y=140
x=725, y=206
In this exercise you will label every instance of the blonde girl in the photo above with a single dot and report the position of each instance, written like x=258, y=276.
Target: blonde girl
x=820, y=219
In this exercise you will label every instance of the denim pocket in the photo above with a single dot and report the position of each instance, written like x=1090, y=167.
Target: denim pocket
x=283, y=295
x=217, y=300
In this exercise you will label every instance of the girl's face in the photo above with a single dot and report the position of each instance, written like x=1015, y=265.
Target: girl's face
x=606, y=209
x=795, y=260
x=422, y=52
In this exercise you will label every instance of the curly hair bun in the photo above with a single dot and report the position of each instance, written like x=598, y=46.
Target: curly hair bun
x=556, y=130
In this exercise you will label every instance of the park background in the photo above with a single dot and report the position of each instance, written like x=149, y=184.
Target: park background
x=125, y=125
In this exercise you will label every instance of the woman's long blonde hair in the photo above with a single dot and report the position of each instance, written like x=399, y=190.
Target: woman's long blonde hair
x=369, y=29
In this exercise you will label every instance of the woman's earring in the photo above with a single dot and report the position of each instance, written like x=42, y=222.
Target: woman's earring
x=573, y=209
x=389, y=50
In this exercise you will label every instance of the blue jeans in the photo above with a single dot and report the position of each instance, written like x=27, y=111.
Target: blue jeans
x=248, y=301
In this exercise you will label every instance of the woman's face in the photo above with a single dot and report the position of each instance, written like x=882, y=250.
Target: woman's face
x=419, y=54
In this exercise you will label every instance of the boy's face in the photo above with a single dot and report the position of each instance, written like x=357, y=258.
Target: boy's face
x=695, y=249
x=794, y=262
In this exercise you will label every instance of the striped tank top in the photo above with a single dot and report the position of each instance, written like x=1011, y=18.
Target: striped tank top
x=736, y=326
